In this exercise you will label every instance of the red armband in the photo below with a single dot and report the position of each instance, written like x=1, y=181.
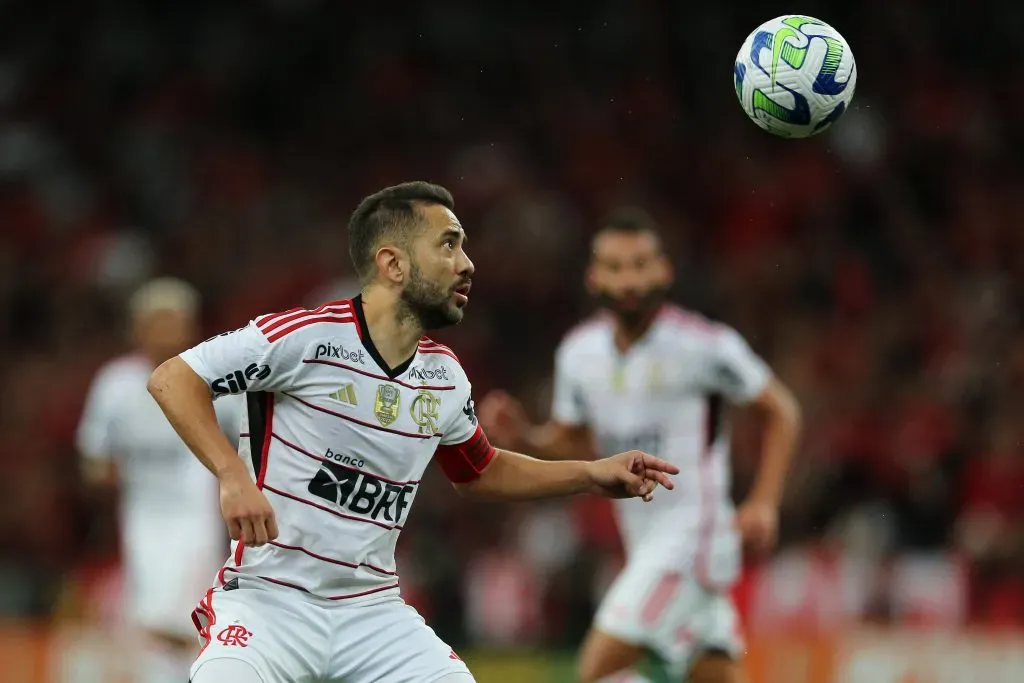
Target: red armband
x=463, y=462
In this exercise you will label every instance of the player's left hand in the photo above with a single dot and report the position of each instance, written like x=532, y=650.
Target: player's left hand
x=633, y=474
x=758, y=522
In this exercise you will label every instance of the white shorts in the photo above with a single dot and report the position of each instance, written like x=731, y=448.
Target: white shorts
x=673, y=616
x=288, y=636
x=166, y=570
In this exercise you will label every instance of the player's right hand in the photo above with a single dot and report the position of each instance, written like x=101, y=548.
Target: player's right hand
x=247, y=512
x=503, y=418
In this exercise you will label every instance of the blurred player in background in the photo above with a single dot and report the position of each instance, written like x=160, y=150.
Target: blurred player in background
x=171, y=536
x=647, y=375
x=347, y=405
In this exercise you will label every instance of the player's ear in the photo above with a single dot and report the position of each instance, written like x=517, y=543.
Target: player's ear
x=391, y=264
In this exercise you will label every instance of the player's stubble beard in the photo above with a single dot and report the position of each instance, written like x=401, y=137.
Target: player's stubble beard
x=430, y=303
x=638, y=316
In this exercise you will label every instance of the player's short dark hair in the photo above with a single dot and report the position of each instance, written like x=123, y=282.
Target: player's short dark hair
x=630, y=220
x=390, y=214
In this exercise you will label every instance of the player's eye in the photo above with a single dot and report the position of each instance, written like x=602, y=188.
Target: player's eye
x=450, y=243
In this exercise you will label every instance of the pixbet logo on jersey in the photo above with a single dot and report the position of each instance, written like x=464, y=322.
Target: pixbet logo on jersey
x=236, y=382
x=362, y=493
x=424, y=375
x=339, y=352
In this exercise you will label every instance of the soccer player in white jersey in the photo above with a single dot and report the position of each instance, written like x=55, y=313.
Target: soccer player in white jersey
x=645, y=374
x=171, y=536
x=347, y=405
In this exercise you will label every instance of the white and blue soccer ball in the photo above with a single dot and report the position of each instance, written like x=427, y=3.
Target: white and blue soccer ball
x=795, y=76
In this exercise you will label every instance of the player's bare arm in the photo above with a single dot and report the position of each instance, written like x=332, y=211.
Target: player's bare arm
x=185, y=399
x=506, y=423
x=514, y=476
x=758, y=516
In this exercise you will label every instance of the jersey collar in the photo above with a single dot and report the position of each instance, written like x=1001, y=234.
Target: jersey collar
x=371, y=348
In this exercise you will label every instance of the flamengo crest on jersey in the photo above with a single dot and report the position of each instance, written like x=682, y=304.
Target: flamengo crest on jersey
x=338, y=443
x=665, y=395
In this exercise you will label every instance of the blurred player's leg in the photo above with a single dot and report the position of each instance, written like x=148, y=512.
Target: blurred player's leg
x=716, y=667
x=223, y=670
x=607, y=659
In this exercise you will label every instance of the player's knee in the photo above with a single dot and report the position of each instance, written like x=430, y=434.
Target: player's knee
x=222, y=670
x=716, y=667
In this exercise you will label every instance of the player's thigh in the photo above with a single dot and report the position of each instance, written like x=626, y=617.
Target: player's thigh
x=389, y=643
x=716, y=666
x=222, y=670
x=278, y=633
x=603, y=655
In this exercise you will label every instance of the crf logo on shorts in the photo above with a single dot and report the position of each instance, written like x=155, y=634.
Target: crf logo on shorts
x=235, y=636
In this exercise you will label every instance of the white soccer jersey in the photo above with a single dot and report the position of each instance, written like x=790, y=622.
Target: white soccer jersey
x=158, y=475
x=169, y=505
x=665, y=396
x=338, y=442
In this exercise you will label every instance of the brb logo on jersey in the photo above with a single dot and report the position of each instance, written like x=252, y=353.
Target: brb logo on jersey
x=361, y=493
x=236, y=382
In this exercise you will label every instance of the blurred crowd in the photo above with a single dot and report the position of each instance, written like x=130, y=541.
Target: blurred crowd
x=879, y=268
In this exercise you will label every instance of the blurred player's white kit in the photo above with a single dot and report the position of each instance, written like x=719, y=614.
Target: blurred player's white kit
x=665, y=395
x=338, y=442
x=172, y=533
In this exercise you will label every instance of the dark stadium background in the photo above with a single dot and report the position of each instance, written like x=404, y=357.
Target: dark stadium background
x=879, y=267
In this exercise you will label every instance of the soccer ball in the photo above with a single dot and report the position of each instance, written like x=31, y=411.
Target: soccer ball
x=795, y=76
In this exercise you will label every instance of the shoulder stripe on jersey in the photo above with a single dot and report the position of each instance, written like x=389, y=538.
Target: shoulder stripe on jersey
x=286, y=584
x=430, y=387
x=409, y=435
x=297, y=499
x=325, y=318
x=299, y=449
x=330, y=560
x=282, y=320
x=442, y=352
x=687, y=319
x=586, y=324
x=428, y=345
x=264, y=319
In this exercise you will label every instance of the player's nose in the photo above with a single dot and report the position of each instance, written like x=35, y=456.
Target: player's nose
x=466, y=267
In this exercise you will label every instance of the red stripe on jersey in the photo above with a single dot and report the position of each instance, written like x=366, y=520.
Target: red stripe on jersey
x=659, y=598
x=267, y=324
x=299, y=449
x=346, y=318
x=268, y=430
x=380, y=377
x=205, y=611
x=464, y=462
x=361, y=423
x=264, y=319
x=333, y=597
x=367, y=592
x=382, y=525
x=443, y=352
x=343, y=563
x=428, y=345
x=282, y=320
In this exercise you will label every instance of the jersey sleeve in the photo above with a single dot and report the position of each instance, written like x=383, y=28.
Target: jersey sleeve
x=734, y=370
x=567, y=404
x=95, y=434
x=464, y=451
x=245, y=360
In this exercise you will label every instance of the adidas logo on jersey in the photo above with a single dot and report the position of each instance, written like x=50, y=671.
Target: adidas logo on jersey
x=346, y=394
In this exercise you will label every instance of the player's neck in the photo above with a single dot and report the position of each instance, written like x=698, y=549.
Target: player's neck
x=395, y=336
